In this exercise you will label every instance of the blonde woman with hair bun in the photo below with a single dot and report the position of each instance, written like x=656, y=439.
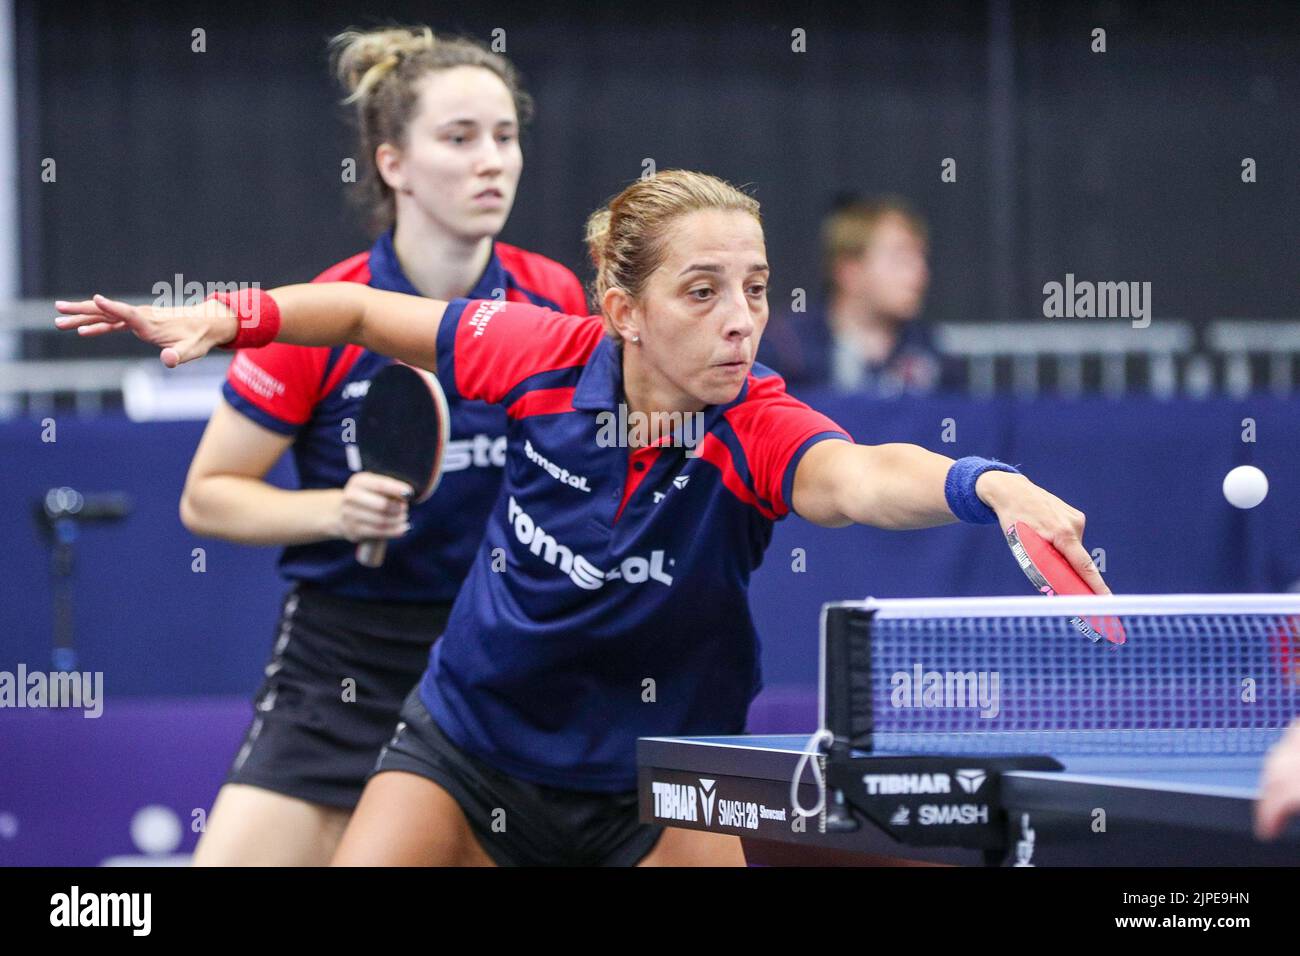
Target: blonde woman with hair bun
x=438, y=122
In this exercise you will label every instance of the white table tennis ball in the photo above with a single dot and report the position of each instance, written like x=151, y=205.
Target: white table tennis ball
x=1245, y=486
x=156, y=829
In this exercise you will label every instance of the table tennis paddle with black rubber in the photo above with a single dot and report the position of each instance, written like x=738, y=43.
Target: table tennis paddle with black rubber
x=1050, y=573
x=402, y=432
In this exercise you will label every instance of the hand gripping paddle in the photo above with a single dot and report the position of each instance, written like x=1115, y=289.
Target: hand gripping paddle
x=1049, y=572
x=402, y=432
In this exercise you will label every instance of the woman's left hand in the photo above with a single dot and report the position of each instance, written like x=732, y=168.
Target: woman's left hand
x=1016, y=498
x=183, y=334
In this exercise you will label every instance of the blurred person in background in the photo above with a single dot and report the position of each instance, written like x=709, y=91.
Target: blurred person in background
x=439, y=123
x=865, y=335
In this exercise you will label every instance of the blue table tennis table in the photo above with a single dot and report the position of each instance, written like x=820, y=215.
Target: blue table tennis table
x=1163, y=810
x=996, y=730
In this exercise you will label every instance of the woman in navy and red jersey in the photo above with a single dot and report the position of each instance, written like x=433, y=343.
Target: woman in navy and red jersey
x=621, y=607
x=439, y=136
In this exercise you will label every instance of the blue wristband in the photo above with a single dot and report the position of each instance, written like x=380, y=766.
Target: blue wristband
x=959, y=489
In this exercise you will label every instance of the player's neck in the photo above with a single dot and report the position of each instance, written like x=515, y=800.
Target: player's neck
x=439, y=265
x=650, y=395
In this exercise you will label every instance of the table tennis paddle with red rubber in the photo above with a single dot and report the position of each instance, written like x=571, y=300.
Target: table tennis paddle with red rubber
x=402, y=431
x=1049, y=572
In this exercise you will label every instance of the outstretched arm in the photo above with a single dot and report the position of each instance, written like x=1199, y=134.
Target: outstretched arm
x=892, y=486
x=902, y=486
x=404, y=327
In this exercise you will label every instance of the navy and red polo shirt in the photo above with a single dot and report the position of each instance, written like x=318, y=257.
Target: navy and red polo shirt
x=311, y=393
x=608, y=599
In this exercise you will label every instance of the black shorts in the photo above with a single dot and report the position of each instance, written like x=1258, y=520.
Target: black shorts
x=314, y=736
x=519, y=823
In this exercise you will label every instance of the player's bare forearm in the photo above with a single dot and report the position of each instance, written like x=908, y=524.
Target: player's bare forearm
x=895, y=486
x=251, y=511
x=404, y=327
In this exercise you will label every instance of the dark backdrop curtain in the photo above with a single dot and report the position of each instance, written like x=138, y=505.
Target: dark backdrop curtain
x=1122, y=166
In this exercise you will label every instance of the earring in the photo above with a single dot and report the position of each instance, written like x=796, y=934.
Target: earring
x=636, y=338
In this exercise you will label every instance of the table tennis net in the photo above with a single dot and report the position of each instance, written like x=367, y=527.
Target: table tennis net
x=1193, y=683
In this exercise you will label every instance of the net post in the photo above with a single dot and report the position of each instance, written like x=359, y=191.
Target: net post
x=845, y=678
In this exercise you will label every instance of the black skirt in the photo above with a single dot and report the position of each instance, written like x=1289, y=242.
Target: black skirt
x=334, y=688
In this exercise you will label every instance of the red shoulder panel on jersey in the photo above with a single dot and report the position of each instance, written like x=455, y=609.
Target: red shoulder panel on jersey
x=772, y=425
x=284, y=380
x=500, y=344
x=280, y=379
x=715, y=451
x=544, y=277
x=543, y=401
x=352, y=269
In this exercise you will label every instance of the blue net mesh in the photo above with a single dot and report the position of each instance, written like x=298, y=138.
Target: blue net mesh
x=1192, y=684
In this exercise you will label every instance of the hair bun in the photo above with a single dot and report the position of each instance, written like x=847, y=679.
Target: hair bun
x=362, y=58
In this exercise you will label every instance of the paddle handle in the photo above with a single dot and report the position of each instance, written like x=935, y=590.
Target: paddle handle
x=370, y=554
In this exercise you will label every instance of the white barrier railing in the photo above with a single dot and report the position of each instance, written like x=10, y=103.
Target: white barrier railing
x=1240, y=339
x=1066, y=345
x=139, y=385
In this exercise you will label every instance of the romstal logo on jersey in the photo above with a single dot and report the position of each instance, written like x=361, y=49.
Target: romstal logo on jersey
x=634, y=569
x=562, y=475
